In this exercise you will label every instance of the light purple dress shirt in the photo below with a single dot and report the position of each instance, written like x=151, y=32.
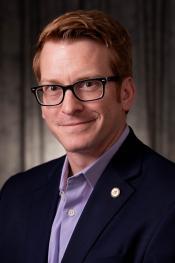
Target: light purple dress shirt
x=75, y=192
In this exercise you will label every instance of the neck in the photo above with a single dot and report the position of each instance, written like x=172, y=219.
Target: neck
x=80, y=160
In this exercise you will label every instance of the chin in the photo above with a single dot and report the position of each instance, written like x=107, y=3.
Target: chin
x=77, y=147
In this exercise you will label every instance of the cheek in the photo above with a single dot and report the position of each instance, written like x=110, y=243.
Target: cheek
x=48, y=113
x=113, y=112
x=117, y=95
x=108, y=113
x=43, y=113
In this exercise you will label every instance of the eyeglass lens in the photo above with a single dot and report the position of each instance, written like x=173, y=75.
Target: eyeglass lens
x=84, y=90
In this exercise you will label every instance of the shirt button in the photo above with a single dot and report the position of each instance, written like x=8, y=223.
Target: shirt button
x=71, y=212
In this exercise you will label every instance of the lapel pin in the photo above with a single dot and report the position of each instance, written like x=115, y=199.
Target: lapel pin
x=115, y=192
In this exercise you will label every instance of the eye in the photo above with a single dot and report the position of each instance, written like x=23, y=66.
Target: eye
x=89, y=84
x=93, y=83
x=51, y=89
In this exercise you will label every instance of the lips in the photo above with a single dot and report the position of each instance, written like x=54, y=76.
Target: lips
x=76, y=123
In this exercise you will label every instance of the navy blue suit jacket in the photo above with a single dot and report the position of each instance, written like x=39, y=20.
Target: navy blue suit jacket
x=137, y=226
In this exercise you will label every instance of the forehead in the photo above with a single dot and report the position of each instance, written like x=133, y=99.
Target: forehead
x=75, y=57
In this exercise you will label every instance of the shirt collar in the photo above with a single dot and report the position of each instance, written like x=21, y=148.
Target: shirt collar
x=93, y=172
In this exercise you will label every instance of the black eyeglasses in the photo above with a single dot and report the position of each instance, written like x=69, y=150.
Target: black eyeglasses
x=83, y=90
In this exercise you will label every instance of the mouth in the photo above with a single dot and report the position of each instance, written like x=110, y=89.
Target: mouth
x=76, y=123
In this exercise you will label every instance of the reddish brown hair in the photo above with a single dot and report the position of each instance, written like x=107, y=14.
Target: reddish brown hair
x=93, y=25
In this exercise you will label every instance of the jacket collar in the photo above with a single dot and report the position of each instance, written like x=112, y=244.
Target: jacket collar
x=102, y=206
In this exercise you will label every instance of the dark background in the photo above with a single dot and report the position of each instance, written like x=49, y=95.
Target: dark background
x=24, y=139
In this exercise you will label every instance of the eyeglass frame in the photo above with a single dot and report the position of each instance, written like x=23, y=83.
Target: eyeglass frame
x=103, y=80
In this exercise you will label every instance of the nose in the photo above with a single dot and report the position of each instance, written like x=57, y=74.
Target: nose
x=71, y=104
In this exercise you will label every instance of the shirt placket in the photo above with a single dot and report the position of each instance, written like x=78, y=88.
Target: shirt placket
x=73, y=204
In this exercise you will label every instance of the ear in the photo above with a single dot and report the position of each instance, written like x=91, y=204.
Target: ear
x=127, y=93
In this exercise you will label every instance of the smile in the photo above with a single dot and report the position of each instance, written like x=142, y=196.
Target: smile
x=77, y=123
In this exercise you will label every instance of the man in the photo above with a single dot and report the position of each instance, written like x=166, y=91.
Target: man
x=111, y=199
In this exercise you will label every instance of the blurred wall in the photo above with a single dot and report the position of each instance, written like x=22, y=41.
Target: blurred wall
x=24, y=139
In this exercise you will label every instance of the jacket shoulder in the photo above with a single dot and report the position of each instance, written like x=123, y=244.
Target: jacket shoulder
x=33, y=177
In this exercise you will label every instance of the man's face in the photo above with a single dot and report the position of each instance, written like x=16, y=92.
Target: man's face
x=83, y=127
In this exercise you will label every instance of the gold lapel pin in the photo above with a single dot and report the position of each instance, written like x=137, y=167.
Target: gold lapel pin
x=115, y=192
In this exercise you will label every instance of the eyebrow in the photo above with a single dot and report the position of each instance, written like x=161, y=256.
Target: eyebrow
x=56, y=82
x=51, y=81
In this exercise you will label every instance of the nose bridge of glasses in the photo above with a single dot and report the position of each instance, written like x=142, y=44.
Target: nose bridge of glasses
x=68, y=87
x=70, y=101
x=71, y=88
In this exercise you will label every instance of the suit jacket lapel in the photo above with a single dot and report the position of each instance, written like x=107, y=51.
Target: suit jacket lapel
x=43, y=202
x=102, y=206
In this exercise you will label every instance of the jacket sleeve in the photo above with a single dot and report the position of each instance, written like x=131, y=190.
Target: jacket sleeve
x=161, y=247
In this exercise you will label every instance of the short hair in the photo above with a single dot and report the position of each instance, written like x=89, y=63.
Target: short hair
x=94, y=25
